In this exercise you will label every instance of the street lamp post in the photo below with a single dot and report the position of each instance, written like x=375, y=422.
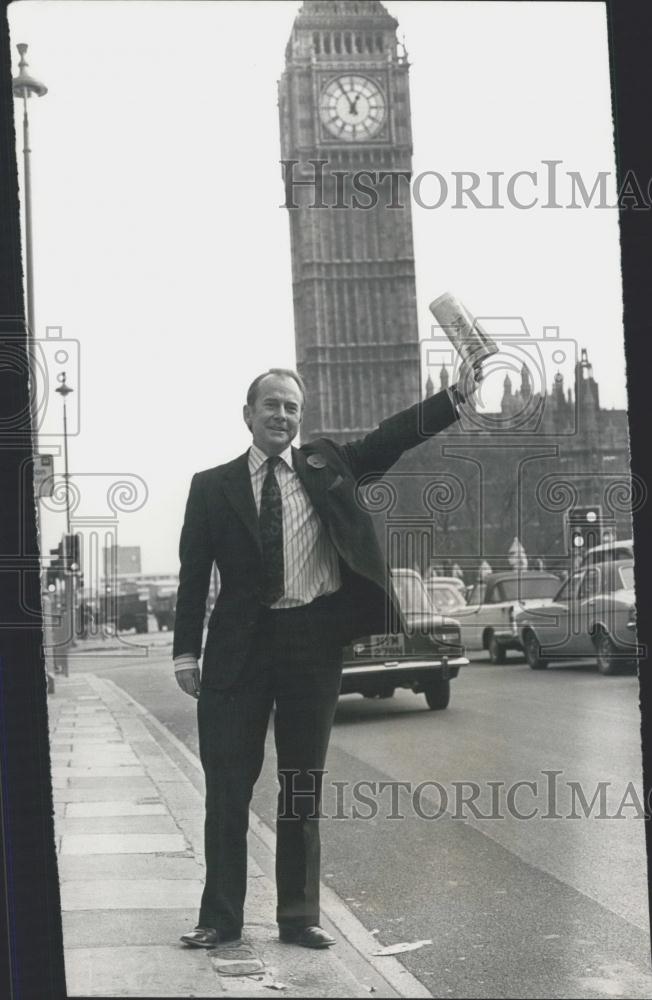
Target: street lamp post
x=24, y=87
x=64, y=390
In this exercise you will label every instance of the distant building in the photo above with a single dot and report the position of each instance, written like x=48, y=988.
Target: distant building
x=549, y=454
x=466, y=494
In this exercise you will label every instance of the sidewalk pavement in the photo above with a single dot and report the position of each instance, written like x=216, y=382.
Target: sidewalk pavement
x=129, y=831
x=125, y=642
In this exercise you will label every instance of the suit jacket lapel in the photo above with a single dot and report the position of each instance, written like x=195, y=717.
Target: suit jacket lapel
x=315, y=481
x=236, y=484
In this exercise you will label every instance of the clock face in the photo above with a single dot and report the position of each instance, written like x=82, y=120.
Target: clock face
x=352, y=108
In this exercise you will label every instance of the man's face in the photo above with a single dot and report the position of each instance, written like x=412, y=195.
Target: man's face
x=275, y=417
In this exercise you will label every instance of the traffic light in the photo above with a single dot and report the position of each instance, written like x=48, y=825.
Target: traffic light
x=72, y=551
x=584, y=528
x=55, y=570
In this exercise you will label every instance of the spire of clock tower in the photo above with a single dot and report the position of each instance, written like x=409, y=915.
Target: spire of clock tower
x=349, y=8
x=346, y=143
x=337, y=14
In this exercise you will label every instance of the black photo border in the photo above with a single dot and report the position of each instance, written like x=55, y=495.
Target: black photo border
x=31, y=942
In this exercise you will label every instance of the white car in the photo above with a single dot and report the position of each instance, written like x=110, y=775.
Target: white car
x=593, y=614
x=608, y=552
x=488, y=620
x=447, y=594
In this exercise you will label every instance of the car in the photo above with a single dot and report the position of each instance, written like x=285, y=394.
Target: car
x=592, y=615
x=445, y=596
x=608, y=551
x=163, y=600
x=453, y=581
x=488, y=620
x=123, y=611
x=424, y=657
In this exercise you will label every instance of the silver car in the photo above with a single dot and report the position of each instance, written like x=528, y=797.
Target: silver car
x=592, y=615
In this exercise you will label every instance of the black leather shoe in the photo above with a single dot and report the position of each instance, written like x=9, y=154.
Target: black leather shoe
x=208, y=937
x=306, y=937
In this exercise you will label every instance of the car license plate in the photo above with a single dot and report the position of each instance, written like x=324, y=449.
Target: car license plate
x=382, y=647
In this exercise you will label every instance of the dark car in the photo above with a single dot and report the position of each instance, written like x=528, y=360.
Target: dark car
x=593, y=614
x=163, y=600
x=423, y=657
x=125, y=610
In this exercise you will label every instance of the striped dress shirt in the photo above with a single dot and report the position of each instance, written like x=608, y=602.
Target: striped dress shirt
x=311, y=566
x=310, y=563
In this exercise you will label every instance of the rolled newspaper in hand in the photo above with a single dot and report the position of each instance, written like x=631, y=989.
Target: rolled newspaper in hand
x=466, y=335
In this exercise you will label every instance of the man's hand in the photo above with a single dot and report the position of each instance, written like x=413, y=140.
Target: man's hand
x=469, y=379
x=188, y=680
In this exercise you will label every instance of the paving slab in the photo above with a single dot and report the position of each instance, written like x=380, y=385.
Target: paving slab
x=107, y=786
x=100, y=752
x=112, y=928
x=148, y=824
x=76, y=867
x=104, y=789
x=93, y=740
x=102, y=758
x=126, y=771
x=135, y=971
x=115, y=808
x=71, y=732
x=130, y=894
x=122, y=843
x=86, y=726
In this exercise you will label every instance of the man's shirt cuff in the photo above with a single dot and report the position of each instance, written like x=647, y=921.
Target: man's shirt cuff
x=455, y=398
x=185, y=661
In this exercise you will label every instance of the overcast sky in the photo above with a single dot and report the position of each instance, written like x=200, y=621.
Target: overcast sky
x=162, y=250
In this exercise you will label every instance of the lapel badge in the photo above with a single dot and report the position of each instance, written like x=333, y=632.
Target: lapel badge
x=316, y=461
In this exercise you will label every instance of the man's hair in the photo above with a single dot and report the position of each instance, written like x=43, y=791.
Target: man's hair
x=252, y=391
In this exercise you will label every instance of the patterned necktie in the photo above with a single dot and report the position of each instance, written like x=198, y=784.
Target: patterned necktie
x=271, y=535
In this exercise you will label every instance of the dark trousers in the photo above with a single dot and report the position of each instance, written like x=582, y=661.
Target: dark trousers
x=294, y=665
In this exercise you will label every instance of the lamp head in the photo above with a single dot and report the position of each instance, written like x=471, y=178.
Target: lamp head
x=64, y=389
x=25, y=85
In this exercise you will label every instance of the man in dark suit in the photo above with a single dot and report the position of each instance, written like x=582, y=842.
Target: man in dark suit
x=301, y=574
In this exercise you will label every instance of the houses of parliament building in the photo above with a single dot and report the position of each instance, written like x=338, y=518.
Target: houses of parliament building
x=464, y=495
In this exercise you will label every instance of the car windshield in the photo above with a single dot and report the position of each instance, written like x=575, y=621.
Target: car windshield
x=445, y=598
x=529, y=588
x=627, y=576
x=412, y=595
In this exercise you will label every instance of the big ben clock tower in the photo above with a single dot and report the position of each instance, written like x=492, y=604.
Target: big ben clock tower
x=346, y=147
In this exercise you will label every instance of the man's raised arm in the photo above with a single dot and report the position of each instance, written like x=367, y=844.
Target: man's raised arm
x=377, y=451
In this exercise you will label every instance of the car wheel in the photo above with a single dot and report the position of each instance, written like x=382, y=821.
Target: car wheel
x=608, y=661
x=438, y=693
x=532, y=649
x=497, y=653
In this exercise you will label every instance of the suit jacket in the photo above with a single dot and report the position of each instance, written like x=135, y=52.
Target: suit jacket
x=221, y=527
